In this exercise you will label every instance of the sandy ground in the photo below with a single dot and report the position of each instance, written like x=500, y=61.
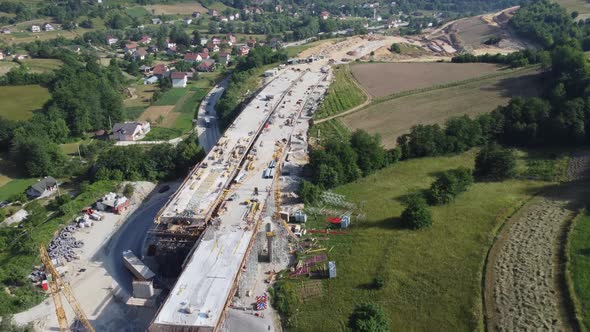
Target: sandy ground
x=94, y=287
x=524, y=282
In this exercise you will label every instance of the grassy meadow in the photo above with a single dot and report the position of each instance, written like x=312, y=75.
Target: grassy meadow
x=19, y=102
x=432, y=276
x=579, y=267
x=343, y=94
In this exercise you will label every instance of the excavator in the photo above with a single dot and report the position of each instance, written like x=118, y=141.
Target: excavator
x=57, y=286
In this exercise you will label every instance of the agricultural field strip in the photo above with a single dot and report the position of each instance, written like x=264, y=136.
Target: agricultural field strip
x=406, y=93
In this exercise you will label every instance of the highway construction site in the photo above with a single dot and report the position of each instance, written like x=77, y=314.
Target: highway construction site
x=205, y=233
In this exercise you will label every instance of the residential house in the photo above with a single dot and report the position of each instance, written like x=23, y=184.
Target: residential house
x=206, y=66
x=35, y=28
x=224, y=58
x=278, y=9
x=205, y=50
x=275, y=43
x=140, y=54
x=325, y=15
x=203, y=41
x=213, y=12
x=156, y=21
x=130, y=131
x=160, y=70
x=48, y=27
x=42, y=188
x=146, y=70
x=232, y=17
x=6, y=31
x=19, y=56
x=179, y=79
x=196, y=14
x=212, y=47
x=237, y=16
x=192, y=57
x=251, y=43
x=216, y=41
x=112, y=40
x=145, y=39
x=170, y=44
x=223, y=19
x=188, y=20
x=203, y=56
x=130, y=48
x=244, y=50
x=153, y=48
x=231, y=38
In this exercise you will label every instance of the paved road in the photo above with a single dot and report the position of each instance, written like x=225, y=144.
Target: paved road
x=208, y=136
x=131, y=236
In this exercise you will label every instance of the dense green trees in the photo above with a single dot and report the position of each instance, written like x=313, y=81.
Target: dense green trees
x=309, y=192
x=368, y=317
x=343, y=161
x=284, y=298
x=494, y=162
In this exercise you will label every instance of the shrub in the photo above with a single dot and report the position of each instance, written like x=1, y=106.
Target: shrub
x=448, y=185
x=416, y=214
x=368, y=317
x=284, y=298
x=128, y=190
x=378, y=282
x=309, y=192
x=495, y=163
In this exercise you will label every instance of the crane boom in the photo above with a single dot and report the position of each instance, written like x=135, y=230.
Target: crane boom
x=54, y=284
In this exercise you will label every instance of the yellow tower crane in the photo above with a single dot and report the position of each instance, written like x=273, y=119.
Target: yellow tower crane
x=57, y=285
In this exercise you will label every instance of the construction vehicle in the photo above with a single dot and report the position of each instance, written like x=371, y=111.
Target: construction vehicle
x=57, y=285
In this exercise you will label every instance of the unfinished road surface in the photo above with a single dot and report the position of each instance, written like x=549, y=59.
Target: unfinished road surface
x=524, y=282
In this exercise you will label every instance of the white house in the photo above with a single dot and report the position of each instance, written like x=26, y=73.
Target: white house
x=35, y=28
x=42, y=188
x=130, y=131
x=179, y=79
x=112, y=40
x=48, y=27
x=140, y=54
x=188, y=20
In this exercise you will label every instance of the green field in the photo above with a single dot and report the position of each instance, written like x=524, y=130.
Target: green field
x=342, y=95
x=432, y=276
x=137, y=11
x=581, y=6
x=172, y=96
x=579, y=267
x=43, y=65
x=187, y=108
x=15, y=187
x=19, y=102
x=162, y=133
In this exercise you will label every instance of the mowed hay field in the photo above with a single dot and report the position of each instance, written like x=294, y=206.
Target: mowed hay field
x=153, y=114
x=19, y=102
x=186, y=8
x=383, y=79
x=395, y=117
x=432, y=276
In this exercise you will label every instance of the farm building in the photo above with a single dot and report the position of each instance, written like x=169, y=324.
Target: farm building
x=179, y=79
x=6, y=31
x=1, y=55
x=156, y=21
x=35, y=28
x=213, y=12
x=188, y=20
x=151, y=80
x=43, y=188
x=48, y=27
x=130, y=131
x=112, y=202
x=196, y=14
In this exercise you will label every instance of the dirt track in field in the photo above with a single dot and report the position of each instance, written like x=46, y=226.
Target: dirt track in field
x=525, y=286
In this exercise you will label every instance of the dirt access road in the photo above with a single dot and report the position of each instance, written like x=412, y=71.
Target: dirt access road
x=524, y=279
